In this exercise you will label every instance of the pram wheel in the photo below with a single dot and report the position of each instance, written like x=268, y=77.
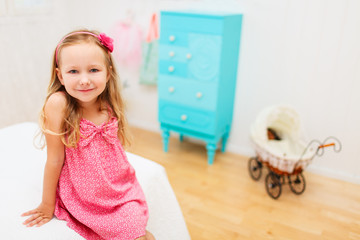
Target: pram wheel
x=255, y=168
x=297, y=183
x=273, y=185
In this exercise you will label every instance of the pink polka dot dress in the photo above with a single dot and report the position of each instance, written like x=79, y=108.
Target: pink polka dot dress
x=98, y=193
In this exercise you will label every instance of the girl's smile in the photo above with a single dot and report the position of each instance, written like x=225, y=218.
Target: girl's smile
x=85, y=90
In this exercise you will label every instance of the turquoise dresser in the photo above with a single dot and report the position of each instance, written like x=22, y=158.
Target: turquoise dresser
x=198, y=61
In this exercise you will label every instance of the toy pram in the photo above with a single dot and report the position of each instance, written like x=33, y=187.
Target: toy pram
x=280, y=147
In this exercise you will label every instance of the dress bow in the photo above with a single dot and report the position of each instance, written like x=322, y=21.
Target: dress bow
x=107, y=130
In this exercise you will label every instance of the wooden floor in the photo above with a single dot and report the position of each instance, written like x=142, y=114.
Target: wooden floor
x=222, y=201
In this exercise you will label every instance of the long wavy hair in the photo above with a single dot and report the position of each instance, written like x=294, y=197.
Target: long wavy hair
x=110, y=97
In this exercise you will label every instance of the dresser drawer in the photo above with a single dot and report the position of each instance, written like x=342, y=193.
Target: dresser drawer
x=191, y=93
x=173, y=37
x=187, y=118
x=172, y=68
x=192, y=22
x=175, y=53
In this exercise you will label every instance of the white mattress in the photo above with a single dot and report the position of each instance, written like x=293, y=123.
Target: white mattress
x=21, y=173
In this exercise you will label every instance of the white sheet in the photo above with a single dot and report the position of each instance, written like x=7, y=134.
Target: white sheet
x=21, y=173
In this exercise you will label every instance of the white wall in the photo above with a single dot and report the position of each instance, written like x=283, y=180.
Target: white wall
x=303, y=53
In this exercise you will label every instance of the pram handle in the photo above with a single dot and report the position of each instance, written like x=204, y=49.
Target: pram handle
x=336, y=144
x=320, y=149
x=327, y=145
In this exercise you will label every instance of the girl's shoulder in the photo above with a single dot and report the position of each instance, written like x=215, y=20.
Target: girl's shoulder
x=56, y=102
x=54, y=112
x=57, y=98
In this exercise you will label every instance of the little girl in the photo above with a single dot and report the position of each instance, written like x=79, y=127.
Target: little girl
x=88, y=181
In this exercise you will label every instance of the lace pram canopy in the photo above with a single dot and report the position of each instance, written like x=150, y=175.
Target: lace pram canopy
x=282, y=154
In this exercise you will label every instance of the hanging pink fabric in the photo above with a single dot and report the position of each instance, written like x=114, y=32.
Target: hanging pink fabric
x=153, y=33
x=127, y=45
x=149, y=66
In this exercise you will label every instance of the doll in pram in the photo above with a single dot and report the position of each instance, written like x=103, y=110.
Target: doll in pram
x=279, y=146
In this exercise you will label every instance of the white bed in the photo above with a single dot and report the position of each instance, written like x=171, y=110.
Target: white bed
x=21, y=173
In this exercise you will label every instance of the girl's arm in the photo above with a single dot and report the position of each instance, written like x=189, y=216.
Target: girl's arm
x=54, y=113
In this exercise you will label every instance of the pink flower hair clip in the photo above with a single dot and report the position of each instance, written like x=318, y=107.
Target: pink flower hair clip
x=104, y=40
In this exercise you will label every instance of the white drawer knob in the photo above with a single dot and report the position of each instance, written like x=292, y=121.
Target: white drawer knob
x=199, y=94
x=171, y=54
x=188, y=56
x=171, y=68
x=171, y=89
x=172, y=38
x=183, y=117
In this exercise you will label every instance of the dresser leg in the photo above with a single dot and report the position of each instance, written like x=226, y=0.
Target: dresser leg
x=165, y=136
x=211, y=148
x=224, y=142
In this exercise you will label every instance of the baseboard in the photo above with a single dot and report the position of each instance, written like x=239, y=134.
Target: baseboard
x=241, y=150
x=144, y=125
x=248, y=151
x=334, y=174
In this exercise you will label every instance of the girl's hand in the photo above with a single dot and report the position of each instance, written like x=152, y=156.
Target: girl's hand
x=39, y=216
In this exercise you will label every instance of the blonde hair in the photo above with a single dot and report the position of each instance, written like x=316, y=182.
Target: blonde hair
x=110, y=97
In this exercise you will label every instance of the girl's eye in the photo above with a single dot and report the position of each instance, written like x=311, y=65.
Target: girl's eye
x=94, y=70
x=72, y=71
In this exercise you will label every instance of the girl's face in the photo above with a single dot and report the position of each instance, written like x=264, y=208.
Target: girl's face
x=82, y=71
